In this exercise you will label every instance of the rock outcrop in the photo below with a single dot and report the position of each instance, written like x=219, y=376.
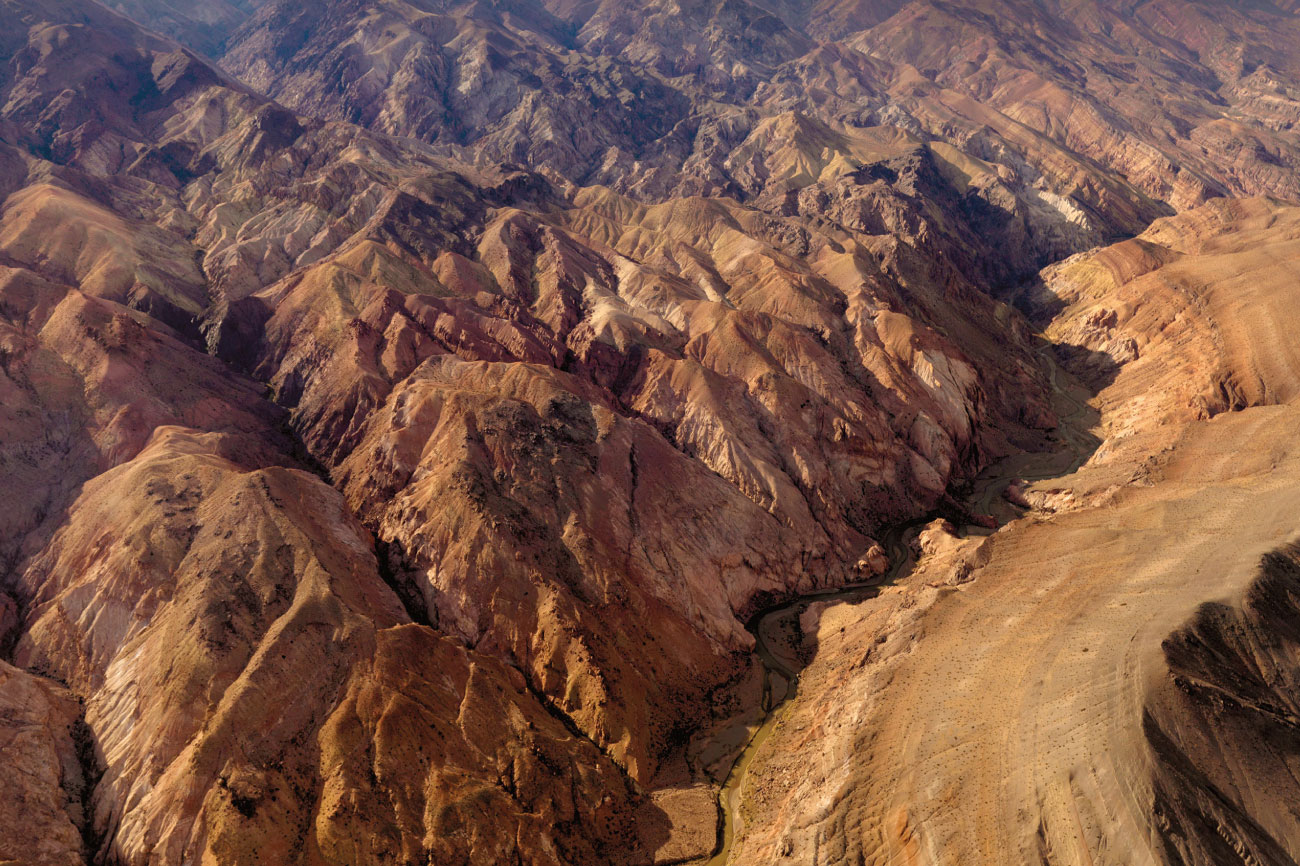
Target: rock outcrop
x=41, y=738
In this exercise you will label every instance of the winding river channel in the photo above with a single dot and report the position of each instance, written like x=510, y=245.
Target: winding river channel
x=776, y=628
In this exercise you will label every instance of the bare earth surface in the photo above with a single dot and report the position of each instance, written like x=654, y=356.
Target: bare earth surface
x=408, y=408
x=1098, y=689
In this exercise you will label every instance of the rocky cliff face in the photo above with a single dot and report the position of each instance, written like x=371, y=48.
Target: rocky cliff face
x=408, y=404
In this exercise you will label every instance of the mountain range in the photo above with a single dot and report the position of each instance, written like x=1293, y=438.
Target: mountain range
x=574, y=431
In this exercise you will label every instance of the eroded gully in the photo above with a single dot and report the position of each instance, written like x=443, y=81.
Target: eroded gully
x=775, y=628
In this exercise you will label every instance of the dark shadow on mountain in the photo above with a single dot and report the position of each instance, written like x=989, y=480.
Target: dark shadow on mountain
x=1077, y=375
x=1039, y=304
x=1094, y=370
x=1221, y=725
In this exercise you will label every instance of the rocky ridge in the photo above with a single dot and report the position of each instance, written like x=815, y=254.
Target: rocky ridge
x=483, y=425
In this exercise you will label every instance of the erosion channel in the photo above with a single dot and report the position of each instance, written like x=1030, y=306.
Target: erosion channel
x=982, y=510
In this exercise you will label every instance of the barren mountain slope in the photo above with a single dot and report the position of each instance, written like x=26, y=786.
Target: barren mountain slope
x=1113, y=682
x=202, y=25
x=391, y=476
x=41, y=819
x=1184, y=99
x=590, y=437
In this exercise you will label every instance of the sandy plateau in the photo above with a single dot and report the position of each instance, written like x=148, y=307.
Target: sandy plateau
x=1095, y=682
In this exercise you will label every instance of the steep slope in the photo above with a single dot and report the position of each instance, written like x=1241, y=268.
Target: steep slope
x=41, y=819
x=1107, y=679
x=172, y=633
x=246, y=671
x=638, y=100
x=1196, y=309
x=401, y=464
x=1185, y=100
x=202, y=26
x=1222, y=725
x=589, y=436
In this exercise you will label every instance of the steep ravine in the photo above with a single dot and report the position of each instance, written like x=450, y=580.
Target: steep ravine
x=776, y=630
x=1109, y=679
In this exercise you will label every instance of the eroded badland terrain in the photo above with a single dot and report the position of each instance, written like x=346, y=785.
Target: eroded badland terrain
x=751, y=431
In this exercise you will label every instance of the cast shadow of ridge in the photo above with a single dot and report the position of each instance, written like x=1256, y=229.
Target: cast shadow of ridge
x=1220, y=725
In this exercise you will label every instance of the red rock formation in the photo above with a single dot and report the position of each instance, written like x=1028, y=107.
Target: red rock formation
x=399, y=462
